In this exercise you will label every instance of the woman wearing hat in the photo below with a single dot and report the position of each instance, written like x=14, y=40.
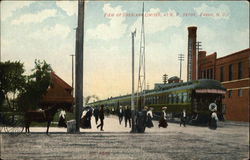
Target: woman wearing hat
x=213, y=116
x=149, y=122
x=163, y=119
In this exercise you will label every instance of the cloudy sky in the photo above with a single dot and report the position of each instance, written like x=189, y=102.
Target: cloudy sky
x=46, y=30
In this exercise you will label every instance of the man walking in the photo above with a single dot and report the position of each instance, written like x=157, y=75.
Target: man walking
x=127, y=116
x=96, y=114
x=120, y=114
x=183, y=118
x=101, y=116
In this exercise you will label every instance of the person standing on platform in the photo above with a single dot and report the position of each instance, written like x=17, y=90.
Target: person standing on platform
x=163, y=119
x=183, y=118
x=120, y=114
x=62, y=119
x=96, y=114
x=213, y=117
x=149, y=122
x=101, y=116
x=88, y=118
x=127, y=115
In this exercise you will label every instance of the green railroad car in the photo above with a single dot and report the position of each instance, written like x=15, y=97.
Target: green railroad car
x=193, y=96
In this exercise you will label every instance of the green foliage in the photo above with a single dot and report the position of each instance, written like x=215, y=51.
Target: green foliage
x=12, y=82
x=36, y=86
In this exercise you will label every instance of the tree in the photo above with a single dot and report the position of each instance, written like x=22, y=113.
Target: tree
x=12, y=82
x=36, y=86
x=93, y=97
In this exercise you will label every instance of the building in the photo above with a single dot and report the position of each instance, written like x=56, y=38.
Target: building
x=233, y=71
x=59, y=93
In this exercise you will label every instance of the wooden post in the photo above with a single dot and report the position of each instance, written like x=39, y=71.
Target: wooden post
x=133, y=129
x=79, y=64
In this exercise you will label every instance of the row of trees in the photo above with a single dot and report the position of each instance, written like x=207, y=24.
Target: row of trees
x=19, y=92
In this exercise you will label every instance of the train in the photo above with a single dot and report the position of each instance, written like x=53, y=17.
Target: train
x=193, y=96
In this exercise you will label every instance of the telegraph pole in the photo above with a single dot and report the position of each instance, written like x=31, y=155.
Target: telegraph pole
x=133, y=129
x=165, y=78
x=79, y=64
x=180, y=58
x=72, y=55
x=142, y=73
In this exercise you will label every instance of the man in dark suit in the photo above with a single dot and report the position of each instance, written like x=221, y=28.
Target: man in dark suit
x=127, y=115
x=101, y=116
x=120, y=114
x=183, y=118
x=96, y=114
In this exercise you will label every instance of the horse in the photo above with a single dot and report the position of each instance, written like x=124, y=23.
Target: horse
x=39, y=116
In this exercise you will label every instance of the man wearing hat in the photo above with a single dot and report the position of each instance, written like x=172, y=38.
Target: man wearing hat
x=183, y=118
x=120, y=114
x=127, y=115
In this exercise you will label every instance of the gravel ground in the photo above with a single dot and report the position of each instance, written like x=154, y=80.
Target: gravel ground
x=230, y=141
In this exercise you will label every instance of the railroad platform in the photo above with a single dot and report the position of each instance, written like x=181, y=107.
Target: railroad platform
x=116, y=143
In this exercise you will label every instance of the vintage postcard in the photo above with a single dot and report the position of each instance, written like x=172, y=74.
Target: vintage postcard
x=124, y=80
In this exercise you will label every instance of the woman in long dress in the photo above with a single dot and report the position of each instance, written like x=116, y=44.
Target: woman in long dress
x=62, y=119
x=214, y=119
x=149, y=122
x=163, y=119
x=213, y=116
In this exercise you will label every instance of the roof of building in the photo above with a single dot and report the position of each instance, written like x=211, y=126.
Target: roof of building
x=60, y=81
x=58, y=93
x=239, y=52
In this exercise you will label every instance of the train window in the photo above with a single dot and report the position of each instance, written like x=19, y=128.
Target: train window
x=188, y=97
x=180, y=97
x=174, y=98
x=170, y=98
x=184, y=97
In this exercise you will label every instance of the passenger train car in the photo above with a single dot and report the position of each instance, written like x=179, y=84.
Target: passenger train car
x=193, y=96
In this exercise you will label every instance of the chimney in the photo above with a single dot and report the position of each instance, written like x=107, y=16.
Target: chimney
x=191, y=66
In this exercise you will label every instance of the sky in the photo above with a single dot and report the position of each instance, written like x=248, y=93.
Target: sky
x=45, y=30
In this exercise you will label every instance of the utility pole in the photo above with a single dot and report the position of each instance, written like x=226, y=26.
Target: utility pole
x=79, y=64
x=72, y=55
x=180, y=58
x=142, y=73
x=165, y=78
x=133, y=129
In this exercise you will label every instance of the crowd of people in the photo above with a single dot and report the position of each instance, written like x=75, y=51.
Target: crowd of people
x=124, y=112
